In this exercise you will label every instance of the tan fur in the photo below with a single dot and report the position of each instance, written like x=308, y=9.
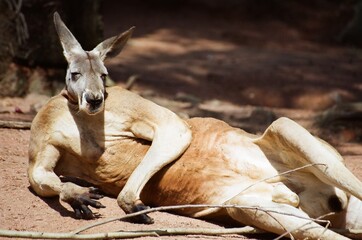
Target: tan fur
x=136, y=150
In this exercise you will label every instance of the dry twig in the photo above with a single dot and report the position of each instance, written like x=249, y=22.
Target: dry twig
x=284, y=173
x=15, y=124
x=50, y=235
x=131, y=234
x=168, y=208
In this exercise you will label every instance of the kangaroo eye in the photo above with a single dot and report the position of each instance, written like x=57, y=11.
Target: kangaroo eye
x=75, y=76
x=104, y=77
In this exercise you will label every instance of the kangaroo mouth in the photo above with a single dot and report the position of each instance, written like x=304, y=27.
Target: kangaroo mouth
x=93, y=109
x=91, y=103
x=88, y=103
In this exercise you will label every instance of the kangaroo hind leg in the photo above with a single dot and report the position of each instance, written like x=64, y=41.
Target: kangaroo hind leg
x=281, y=219
x=296, y=147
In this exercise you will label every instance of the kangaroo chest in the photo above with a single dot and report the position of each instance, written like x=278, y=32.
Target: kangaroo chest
x=98, y=151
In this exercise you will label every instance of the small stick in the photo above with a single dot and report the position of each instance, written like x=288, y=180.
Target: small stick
x=283, y=173
x=15, y=124
x=132, y=234
x=325, y=228
x=131, y=81
x=50, y=235
x=167, y=208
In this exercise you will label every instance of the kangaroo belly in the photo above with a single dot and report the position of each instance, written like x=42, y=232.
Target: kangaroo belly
x=219, y=164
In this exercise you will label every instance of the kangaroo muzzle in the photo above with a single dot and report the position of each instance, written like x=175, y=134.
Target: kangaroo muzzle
x=92, y=102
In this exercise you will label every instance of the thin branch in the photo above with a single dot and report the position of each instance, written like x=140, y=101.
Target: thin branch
x=305, y=224
x=153, y=232
x=167, y=208
x=15, y=124
x=283, y=173
x=132, y=234
x=49, y=235
x=131, y=81
x=275, y=219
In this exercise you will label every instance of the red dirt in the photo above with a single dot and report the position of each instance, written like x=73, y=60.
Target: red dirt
x=234, y=53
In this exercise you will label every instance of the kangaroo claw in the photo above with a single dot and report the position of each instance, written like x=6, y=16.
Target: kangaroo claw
x=80, y=204
x=142, y=218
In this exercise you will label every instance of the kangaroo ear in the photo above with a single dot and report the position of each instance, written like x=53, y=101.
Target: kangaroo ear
x=111, y=47
x=69, y=42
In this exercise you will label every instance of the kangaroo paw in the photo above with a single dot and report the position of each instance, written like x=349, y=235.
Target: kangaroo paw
x=131, y=204
x=142, y=218
x=80, y=203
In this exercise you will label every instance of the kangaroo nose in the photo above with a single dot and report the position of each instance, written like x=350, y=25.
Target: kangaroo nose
x=95, y=100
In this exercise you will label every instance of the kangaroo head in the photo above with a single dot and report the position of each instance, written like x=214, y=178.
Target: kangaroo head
x=86, y=73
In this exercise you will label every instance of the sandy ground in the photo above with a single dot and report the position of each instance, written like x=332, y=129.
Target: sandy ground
x=199, y=56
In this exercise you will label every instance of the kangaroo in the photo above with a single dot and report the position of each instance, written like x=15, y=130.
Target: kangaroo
x=145, y=155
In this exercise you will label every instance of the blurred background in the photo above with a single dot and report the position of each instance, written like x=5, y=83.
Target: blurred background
x=244, y=61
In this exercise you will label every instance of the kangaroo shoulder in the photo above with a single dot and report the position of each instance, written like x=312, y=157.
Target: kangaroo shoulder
x=50, y=112
x=123, y=101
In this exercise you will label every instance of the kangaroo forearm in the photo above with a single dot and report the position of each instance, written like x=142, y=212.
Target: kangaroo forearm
x=44, y=183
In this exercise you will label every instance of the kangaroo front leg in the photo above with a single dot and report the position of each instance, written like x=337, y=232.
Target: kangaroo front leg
x=47, y=184
x=169, y=141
